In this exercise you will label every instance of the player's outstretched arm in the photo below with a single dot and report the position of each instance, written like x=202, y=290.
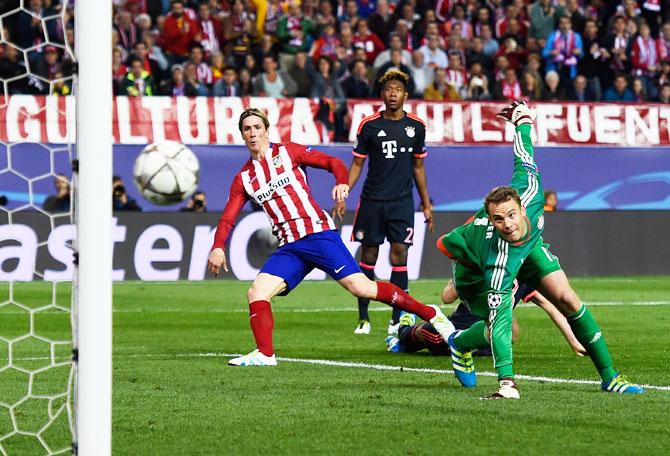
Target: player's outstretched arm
x=561, y=323
x=236, y=200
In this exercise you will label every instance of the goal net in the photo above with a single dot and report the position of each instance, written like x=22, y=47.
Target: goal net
x=39, y=179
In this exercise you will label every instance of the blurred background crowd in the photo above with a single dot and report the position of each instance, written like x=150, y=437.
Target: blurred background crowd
x=549, y=50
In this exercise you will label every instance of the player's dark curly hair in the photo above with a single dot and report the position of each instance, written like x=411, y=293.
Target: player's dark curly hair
x=394, y=75
x=501, y=195
x=253, y=112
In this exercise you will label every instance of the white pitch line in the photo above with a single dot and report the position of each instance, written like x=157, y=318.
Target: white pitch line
x=382, y=367
x=385, y=367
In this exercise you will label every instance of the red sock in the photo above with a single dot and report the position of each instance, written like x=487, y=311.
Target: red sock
x=394, y=296
x=262, y=324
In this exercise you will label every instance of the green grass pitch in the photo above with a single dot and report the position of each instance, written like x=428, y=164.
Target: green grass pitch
x=175, y=395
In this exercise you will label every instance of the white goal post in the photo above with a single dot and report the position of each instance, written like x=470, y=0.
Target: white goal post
x=93, y=48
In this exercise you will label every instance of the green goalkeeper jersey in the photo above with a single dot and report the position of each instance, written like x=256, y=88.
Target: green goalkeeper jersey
x=478, y=246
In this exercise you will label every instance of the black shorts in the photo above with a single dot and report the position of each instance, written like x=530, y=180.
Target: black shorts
x=377, y=220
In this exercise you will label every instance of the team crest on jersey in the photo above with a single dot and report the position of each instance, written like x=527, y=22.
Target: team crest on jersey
x=494, y=300
x=540, y=222
x=410, y=131
x=276, y=161
x=360, y=234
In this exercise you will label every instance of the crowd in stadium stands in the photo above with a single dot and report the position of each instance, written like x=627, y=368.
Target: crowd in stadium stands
x=583, y=50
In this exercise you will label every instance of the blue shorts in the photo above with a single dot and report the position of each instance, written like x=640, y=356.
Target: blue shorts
x=325, y=251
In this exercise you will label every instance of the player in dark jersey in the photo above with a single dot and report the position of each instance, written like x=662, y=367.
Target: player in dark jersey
x=393, y=140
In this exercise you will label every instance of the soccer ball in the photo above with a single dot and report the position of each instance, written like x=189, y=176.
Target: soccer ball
x=166, y=173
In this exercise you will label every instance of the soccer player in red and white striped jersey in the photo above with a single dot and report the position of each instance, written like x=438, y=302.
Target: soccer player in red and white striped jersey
x=308, y=238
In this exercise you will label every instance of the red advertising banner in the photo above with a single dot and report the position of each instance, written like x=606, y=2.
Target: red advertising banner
x=203, y=120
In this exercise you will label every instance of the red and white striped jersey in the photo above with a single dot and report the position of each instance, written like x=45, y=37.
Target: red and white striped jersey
x=279, y=186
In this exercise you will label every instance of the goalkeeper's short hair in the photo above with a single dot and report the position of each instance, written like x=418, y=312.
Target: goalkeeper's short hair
x=394, y=75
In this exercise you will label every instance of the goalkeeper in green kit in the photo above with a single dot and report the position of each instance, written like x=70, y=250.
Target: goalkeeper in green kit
x=505, y=235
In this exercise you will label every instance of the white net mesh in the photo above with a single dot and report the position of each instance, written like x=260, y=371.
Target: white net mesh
x=36, y=233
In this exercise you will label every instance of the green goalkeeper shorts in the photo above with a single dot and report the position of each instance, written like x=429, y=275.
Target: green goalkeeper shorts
x=539, y=263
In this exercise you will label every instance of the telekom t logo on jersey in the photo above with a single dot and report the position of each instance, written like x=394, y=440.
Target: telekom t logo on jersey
x=389, y=148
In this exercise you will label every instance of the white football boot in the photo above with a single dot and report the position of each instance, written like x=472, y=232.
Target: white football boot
x=255, y=358
x=506, y=390
x=363, y=327
x=441, y=323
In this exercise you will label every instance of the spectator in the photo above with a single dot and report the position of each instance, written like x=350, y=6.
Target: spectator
x=490, y=46
x=439, y=90
x=368, y=41
x=119, y=70
x=663, y=43
x=511, y=14
x=651, y=12
x=476, y=54
x=502, y=64
x=579, y=90
x=409, y=41
x=664, y=93
x=457, y=77
x=60, y=86
x=294, y=33
x=29, y=31
x=273, y=83
x=326, y=45
x=508, y=88
x=433, y=55
x=239, y=47
x=218, y=66
x=595, y=63
x=202, y=69
x=47, y=66
x=618, y=44
x=483, y=17
x=530, y=86
x=458, y=18
x=562, y=51
x=324, y=83
x=664, y=73
x=60, y=202
x=552, y=87
x=395, y=63
x=644, y=58
x=543, y=20
x=380, y=21
x=251, y=64
x=619, y=90
x=179, y=33
x=408, y=13
x=577, y=16
x=550, y=201
x=149, y=65
x=639, y=90
x=270, y=20
x=385, y=56
x=266, y=45
x=120, y=199
x=126, y=29
x=143, y=24
x=516, y=55
x=154, y=52
x=350, y=13
x=191, y=76
x=420, y=74
x=227, y=86
x=478, y=87
x=137, y=82
x=177, y=85
x=197, y=203
x=325, y=16
x=357, y=84
x=301, y=72
x=211, y=32
x=246, y=82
